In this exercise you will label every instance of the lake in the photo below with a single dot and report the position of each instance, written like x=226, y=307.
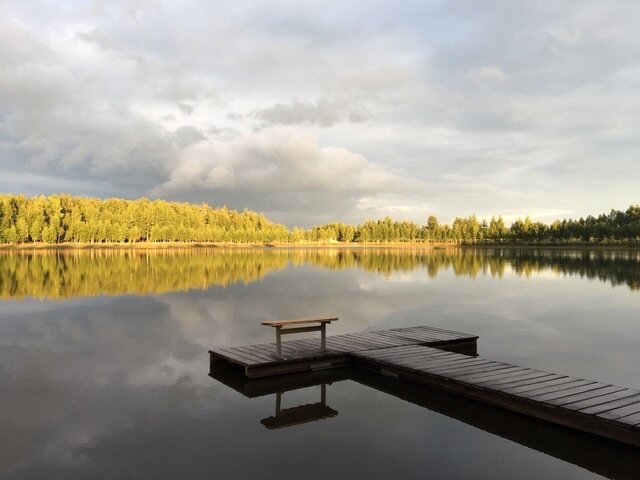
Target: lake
x=104, y=369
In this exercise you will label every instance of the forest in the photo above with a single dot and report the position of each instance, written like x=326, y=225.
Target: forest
x=65, y=218
x=615, y=227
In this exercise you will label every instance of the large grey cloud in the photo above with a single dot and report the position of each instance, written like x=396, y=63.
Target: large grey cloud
x=450, y=108
x=300, y=112
x=286, y=172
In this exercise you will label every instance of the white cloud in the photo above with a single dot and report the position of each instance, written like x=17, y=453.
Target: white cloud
x=285, y=171
x=487, y=74
x=323, y=112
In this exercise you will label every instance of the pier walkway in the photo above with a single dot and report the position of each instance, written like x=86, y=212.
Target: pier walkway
x=447, y=360
x=263, y=360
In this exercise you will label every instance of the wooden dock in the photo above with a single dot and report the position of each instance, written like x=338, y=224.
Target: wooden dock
x=602, y=409
x=447, y=360
x=299, y=355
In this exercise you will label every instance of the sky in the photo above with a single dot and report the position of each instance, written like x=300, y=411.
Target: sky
x=312, y=112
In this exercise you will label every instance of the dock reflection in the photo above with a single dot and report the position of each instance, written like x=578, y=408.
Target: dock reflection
x=603, y=457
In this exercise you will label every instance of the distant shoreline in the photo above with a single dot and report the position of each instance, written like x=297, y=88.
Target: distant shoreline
x=220, y=245
x=72, y=246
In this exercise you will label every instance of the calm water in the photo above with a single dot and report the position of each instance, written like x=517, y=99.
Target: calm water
x=104, y=365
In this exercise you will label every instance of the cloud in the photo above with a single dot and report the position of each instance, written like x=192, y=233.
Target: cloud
x=323, y=113
x=487, y=74
x=524, y=107
x=188, y=135
x=284, y=171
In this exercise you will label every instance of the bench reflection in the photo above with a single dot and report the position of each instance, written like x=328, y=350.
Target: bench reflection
x=287, y=417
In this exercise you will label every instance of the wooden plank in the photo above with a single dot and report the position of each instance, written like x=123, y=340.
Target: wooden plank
x=338, y=343
x=394, y=351
x=405, y=357
x=558, y=388
x=220, y=353
x=276, y=323
x=630, y=419
x=348, y=343
x=443, y=356
x=292, y=350
x=415, y=359
x=546, y=384
x=506, y=377
x=532, y=383
x=414, y=354
x=586, y=399
x=413, y=331
x=288, y=331
x=462, y=369
x=359, y=342
x=419, y=361
x=389, y=342
x=422, y=335
x=310, y=344
x=238, y=356
x=621, y=402
x=620, y=411
x=416, y=337
x=432, y=363
x=444, y=330
x=501, y=383
x=435, y=354
x=378, y=342
x=425, y=328
x=263, y=354
x=566, y=393
x=479, y=366
x=384, y=340
x=363, y=345
x=431, y=352
x=246, y=358
x=507, y=371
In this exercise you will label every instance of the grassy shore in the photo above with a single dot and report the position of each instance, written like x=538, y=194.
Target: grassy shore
x=331, y=245
x=176, y=245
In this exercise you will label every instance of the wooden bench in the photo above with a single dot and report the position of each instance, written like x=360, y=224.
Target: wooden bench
x=283, y=328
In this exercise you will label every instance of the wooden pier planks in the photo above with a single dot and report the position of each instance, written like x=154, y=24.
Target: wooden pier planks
x=262, y=360
x=603, y=409
x=262, y=355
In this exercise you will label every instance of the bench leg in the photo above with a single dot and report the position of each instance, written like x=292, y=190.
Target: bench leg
x=323, y=337
x=278, y=344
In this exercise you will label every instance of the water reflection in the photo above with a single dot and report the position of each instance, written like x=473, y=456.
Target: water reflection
x=310, y=412
x=117, y=386
x=603, y=457
x=81, y=273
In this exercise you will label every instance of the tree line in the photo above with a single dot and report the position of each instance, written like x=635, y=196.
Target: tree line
x=65, y=218
x=615, y=227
